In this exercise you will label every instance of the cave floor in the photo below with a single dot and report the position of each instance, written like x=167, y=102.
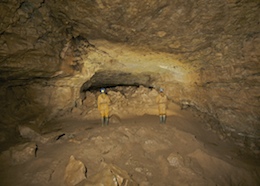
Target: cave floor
x=184, y=151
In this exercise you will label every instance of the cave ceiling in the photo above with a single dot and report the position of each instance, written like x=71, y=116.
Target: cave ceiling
x=203, y=52
x=35, y=32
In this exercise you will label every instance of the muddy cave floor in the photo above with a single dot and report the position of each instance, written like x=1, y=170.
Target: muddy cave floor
x=184, y=151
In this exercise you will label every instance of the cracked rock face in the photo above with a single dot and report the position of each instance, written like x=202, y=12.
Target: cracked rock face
x=204, y=53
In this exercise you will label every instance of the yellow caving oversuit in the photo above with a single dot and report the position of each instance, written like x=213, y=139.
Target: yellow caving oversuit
x=161, y=100
x=103, y=107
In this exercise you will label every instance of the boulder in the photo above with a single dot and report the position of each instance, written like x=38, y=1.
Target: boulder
x=28, y=133
x=74, y=172
x=110, y=175
x=21, y=153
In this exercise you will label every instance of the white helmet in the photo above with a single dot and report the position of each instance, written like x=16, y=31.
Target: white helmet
x=102, y=90
x=161, y=89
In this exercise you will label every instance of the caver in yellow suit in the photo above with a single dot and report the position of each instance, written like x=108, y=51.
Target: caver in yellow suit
x=103, y=106
x=161, y=100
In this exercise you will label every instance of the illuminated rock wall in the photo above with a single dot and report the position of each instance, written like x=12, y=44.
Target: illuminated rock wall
x=204, y=53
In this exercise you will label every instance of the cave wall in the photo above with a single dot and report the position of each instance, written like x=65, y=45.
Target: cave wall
x=204, y=53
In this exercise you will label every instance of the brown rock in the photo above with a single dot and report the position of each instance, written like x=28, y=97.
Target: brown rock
x=110, y=175
x=22, y=153
x=74, y=172
x=175, y=160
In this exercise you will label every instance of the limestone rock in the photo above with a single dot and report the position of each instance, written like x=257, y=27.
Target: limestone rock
x=114, y=119
x=89, y=101
x=175, y=160
x=21, y=153
x=206, y=52
x=110, y=175
x=76, y=111
x=201, y=161
x=74, y=172
x=28, y=133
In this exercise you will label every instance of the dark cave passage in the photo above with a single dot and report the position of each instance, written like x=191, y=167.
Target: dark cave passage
x=112, y=79
x=116, y=78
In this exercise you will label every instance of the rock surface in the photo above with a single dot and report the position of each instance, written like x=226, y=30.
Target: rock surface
x=204, y=53
x=19, y=154
x=138, y=150
x=75, y=172
x=110, y=175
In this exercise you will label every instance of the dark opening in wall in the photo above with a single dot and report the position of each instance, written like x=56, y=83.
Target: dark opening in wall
x=109, y=79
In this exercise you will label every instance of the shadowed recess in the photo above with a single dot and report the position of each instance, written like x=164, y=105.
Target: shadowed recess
x=116, y=78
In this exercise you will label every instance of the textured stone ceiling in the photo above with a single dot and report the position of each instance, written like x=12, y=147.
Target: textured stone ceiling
x=205, y=53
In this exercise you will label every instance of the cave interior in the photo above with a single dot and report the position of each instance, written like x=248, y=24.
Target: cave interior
x=56, y=55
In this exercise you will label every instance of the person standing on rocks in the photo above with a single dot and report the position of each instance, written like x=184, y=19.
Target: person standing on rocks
x=103, y=106
x=161, y=100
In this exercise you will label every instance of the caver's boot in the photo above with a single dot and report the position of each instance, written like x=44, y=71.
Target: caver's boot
x=161, y=118
x=106, y=121
x=164, y=118
x=103, y=121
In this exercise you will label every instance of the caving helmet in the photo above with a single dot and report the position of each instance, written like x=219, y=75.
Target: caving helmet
x=161, y=89
x=102, y=90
